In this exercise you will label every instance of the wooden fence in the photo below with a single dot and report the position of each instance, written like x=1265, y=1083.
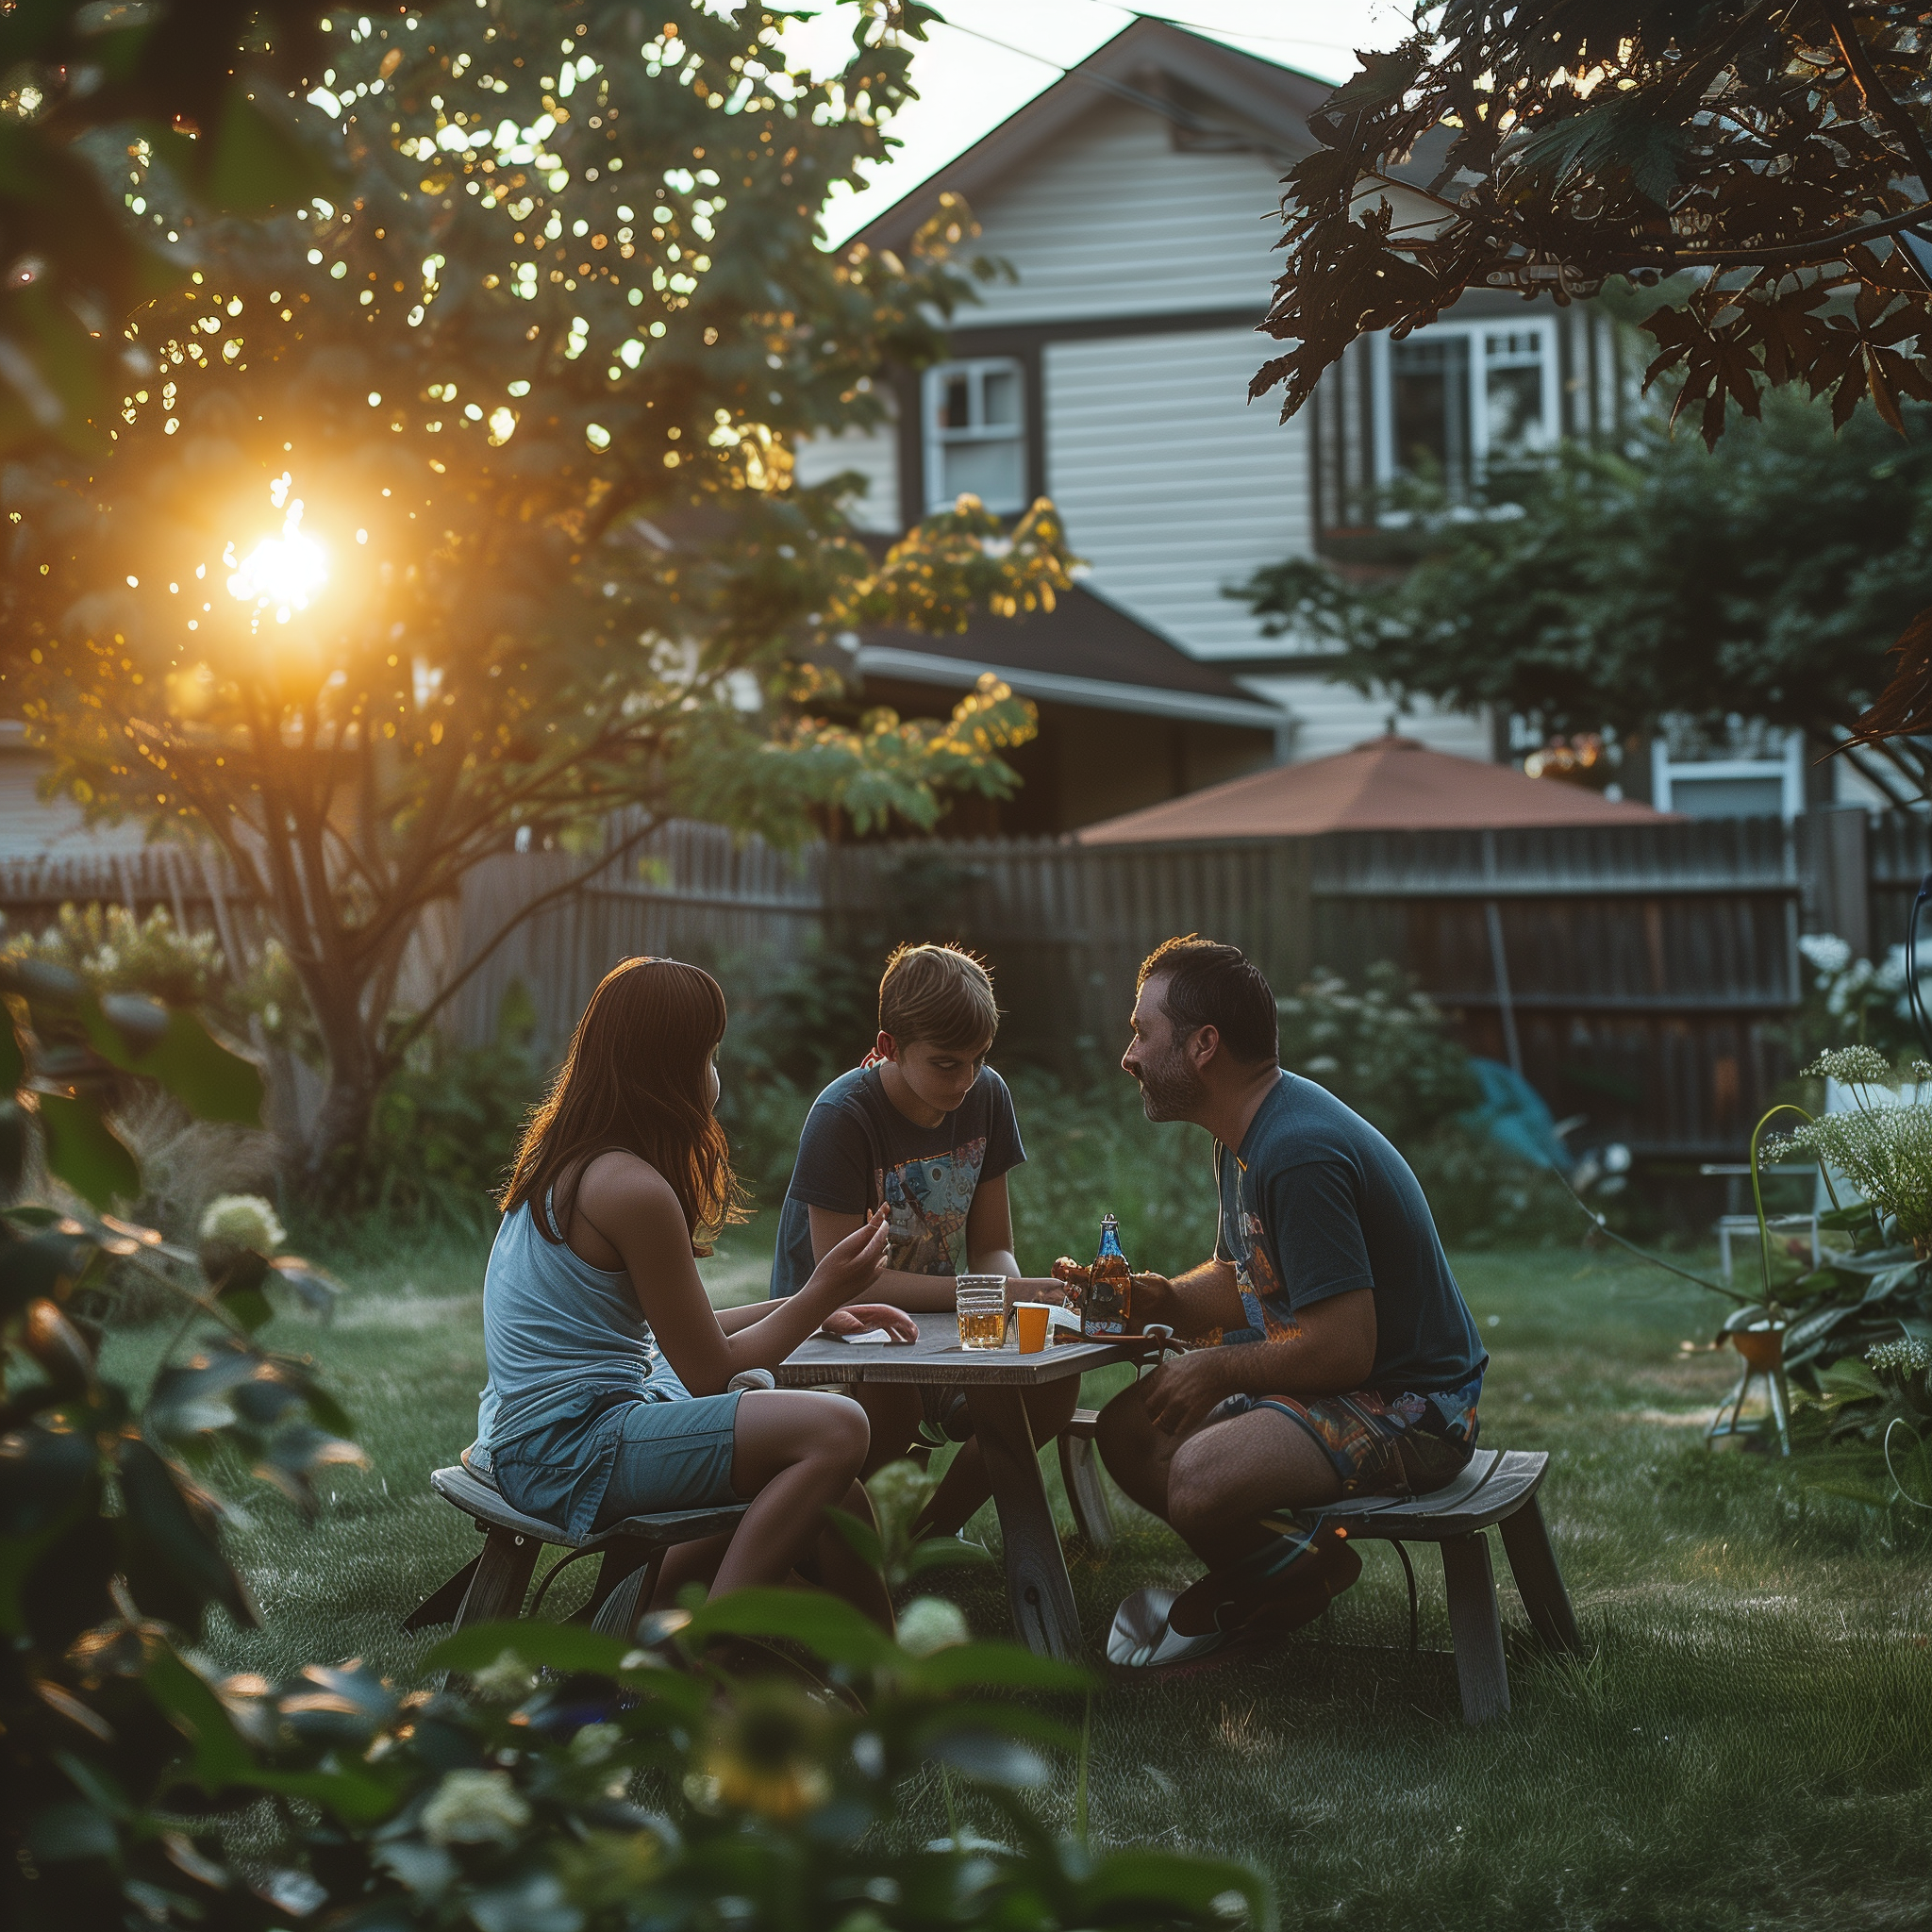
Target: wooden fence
x=1644, y=976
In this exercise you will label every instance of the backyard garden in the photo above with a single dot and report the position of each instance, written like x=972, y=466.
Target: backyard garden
x=401, y=417
x=1746, y=1742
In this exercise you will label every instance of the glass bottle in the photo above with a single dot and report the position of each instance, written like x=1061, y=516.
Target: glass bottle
x=1106, y=1307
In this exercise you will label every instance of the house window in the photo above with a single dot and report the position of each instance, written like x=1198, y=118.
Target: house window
x=975, y=435
x=1453, y=396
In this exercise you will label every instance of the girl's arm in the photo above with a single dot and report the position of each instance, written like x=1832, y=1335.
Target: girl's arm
x=624, y=1210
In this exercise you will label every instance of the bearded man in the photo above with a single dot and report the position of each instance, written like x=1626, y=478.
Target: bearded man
x=1332, y=1355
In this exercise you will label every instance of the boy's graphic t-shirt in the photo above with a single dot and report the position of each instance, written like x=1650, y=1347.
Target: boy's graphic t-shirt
x=1314, y=1203
x=857, y=1149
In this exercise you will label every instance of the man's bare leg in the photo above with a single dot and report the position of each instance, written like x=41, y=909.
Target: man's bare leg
x=1224, y=1478
x=1135, y=1452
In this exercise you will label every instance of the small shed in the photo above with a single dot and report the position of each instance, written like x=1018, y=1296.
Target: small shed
x=1388, y=784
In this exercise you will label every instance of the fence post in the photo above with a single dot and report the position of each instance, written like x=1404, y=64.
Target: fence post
x=1834, y=874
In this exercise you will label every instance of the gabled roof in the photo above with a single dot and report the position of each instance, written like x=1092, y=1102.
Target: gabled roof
x=1209, y=92
x=1084, y=651
x=1387, y=785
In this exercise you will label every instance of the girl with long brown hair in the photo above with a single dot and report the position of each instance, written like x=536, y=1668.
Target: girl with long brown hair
x=609, y=1369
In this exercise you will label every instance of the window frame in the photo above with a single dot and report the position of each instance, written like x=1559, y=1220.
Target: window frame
x=1471, y=329
x=938, y=440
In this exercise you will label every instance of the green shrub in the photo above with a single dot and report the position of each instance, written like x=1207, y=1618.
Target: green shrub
x=1090, y=1151
x=446, y=1126
x=1384, y=1051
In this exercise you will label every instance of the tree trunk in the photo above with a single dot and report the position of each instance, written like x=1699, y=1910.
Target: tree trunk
x=325, y=1168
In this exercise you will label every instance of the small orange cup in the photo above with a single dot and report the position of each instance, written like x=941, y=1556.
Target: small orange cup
x=1032, y=1318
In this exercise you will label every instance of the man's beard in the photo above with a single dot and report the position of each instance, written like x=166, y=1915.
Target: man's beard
x=1170, y=1088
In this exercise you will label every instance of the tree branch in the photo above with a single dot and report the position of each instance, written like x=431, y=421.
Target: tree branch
x=395, y=1051
x=1879, y=100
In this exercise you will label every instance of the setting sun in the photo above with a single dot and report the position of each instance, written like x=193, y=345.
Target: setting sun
x=285, y=571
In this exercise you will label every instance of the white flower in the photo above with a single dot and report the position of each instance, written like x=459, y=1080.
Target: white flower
x=474, y=1808
x=1908, y=1357
x=595, y=1742
x=1852, y=1066
x=930, y=1623
x=1827, y=951
x=242, y=1221
x=1884, y=1152
x=508, y=1680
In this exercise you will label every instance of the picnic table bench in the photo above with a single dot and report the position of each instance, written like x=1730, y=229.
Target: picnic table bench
x=1498, y=1489
x=492, y=1583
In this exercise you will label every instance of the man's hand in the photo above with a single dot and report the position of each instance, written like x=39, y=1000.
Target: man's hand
x=1154, y=1301
x=856, y=1317
x=1182, y=1390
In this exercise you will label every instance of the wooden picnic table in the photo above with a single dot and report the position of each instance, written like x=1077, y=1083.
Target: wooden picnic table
x=995, y=1381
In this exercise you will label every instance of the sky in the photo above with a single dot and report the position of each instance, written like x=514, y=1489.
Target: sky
x=991, y=56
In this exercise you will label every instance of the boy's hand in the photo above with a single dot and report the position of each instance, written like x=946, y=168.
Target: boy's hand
x=856, y=1316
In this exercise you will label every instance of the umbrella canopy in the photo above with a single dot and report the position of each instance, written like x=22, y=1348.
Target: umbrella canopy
x=1390, y=784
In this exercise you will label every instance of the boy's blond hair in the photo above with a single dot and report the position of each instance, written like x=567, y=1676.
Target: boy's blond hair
x=938, y=995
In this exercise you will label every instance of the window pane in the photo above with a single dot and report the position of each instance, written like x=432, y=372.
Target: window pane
x=956, y=411
x=1431, y=408
x=1002, y=395
x=1513, y=389
x=993, y=472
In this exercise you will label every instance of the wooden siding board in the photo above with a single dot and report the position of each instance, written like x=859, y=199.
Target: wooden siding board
x=1171, y=484
x=1111, y=219
x=874, y=453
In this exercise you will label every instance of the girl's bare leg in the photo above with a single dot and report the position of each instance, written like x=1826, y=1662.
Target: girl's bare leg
x=797, y=1454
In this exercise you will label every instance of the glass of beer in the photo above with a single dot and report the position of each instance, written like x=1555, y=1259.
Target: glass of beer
x=1032, y=1318
x=981, y=1303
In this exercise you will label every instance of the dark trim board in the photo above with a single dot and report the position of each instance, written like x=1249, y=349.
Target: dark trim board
x=1014, y=337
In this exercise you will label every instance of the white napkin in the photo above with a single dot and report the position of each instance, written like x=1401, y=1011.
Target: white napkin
x=867, y=1335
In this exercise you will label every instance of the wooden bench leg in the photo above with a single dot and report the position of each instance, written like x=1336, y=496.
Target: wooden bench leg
x=1086, y=1493
x=1540, y=1582
x=614, y=1612
x=502, y=1574
x=1475, y=1627
x=443, y=1603
x=622, y=1558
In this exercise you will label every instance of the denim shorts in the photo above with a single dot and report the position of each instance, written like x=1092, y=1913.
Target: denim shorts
x=672, y=1456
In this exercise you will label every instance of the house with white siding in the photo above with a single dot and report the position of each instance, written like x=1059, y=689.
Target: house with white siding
x=1137, y=203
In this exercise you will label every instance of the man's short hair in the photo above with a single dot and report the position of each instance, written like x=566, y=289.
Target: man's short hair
x=940, y=995
x=1207, y=983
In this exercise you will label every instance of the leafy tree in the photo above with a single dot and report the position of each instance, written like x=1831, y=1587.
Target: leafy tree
x=1765, y=578
x=203, y=95
x=462, y=506
x=1783, y=154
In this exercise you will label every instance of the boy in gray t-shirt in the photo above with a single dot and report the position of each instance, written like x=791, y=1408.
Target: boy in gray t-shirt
x=927, y=1127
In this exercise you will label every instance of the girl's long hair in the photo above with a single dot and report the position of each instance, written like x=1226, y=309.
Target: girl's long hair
x=636, y=1078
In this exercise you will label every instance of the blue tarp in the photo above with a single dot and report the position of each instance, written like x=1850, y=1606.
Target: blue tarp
x=1514, y=1116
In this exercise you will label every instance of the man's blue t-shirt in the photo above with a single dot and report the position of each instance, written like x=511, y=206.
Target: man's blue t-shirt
x=1316, y=1203
x=857, y=1149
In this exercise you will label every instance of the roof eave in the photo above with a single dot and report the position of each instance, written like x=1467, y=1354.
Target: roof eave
x=1095, y=693
x=1277, y=99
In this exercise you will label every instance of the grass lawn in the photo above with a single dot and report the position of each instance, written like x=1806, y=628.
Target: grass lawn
x=1749, y=1744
